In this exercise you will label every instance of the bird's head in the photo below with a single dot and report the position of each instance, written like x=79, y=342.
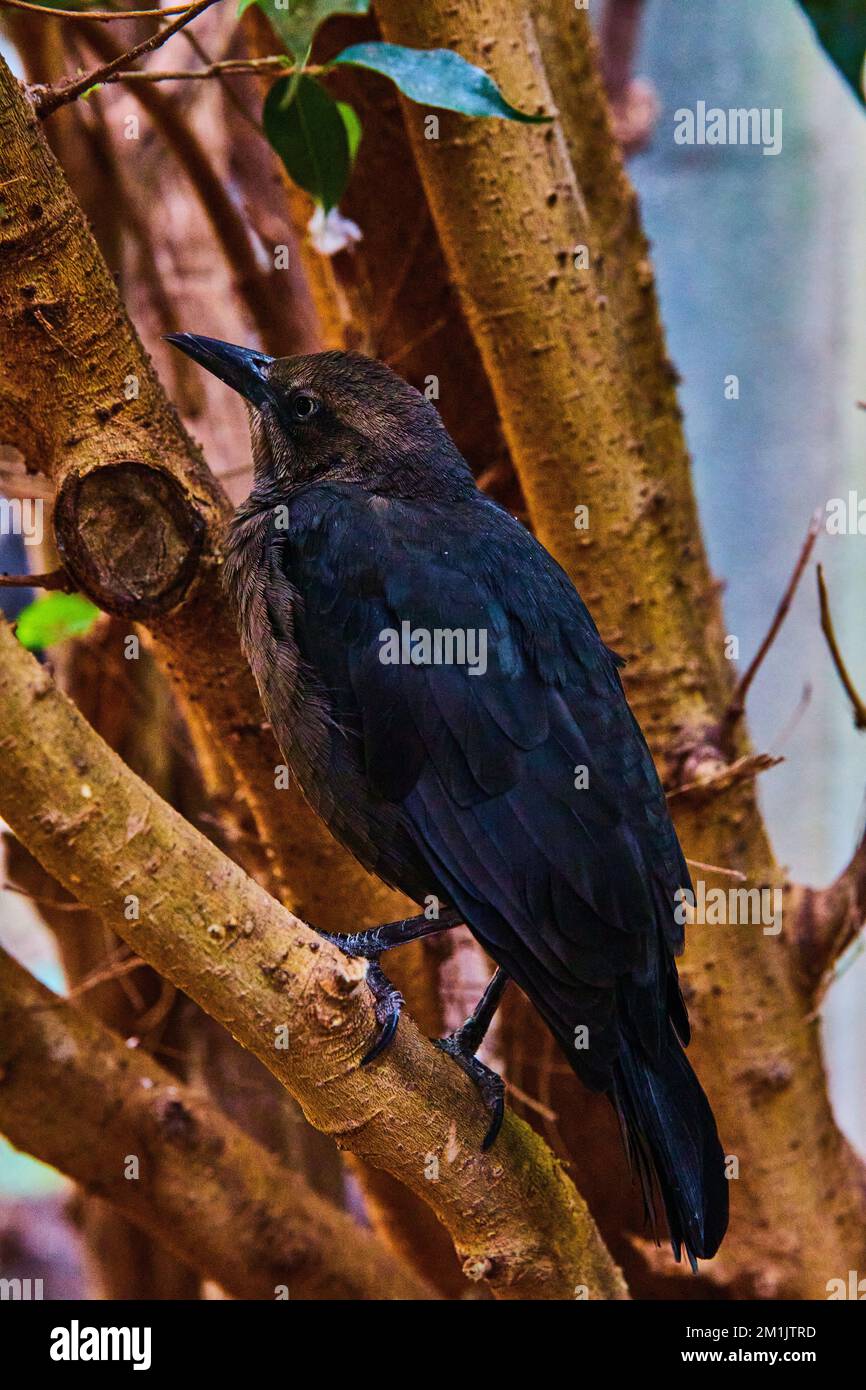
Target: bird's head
x=336, y=416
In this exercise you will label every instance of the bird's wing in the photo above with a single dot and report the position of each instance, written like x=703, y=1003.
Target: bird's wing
x=528, y=787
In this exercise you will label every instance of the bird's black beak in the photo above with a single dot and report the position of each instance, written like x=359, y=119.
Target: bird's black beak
x=245, y=370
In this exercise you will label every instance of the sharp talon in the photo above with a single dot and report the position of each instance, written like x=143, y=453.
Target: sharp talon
x=389, y=1002
x=385, y=1037
x=490, y=1086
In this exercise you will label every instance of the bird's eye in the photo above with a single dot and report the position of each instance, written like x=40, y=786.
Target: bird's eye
x=304, y=406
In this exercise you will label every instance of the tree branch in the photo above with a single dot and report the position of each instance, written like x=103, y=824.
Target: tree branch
x=47, y=100
x=83, y=403
x=826, y=921
x=737, y=706
x=225, y=68
x=542, y=233
x=857, y=706
x=92, y=16
x=54, y=579
x=292, y=999
x=73, y=1095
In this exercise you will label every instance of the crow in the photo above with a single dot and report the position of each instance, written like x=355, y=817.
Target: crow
x=444, y=699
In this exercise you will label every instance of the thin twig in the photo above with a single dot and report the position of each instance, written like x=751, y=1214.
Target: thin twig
x=744, y=768
x=103, y=976
x=224, y=68
x=737, y=706
x=46, y=100
x=716, y=869
x=98, y=16
x=54, y=579
x=255, y=284
x=56, y=904
x=531, y=1103
x=857, y=705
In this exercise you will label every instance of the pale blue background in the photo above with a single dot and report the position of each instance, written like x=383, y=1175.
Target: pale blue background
x=761, y=272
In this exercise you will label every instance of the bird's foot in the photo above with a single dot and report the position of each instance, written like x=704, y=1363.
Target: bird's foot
x=388, y=1003
x=370, y=945
x=461, y=1046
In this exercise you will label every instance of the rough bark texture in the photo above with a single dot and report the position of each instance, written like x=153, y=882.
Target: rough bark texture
x=588, y=422
x=123, y=467
x=75, y=1096
x=293, y=1000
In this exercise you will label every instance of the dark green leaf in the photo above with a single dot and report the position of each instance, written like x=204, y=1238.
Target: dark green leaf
x=435, y=77
x=52, y=618
x=308, y=132
x=841, y=28
x=296, y=21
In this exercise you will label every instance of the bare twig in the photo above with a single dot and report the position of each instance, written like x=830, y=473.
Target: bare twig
x=54, y=579
x=737, y=706
x=46, y=100
x=98, y=16
x=748, y=766
x=857, y=705
x=224, y=68
x=716, y=869
x=255, y=284
x=56, y=904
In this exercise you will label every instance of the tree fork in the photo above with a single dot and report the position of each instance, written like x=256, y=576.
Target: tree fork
x=140, y=517
x=581, y=400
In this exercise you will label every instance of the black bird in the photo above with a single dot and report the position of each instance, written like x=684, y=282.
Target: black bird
x=449, y=709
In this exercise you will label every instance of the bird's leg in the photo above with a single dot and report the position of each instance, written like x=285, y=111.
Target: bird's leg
x=465, y=1042
x=370, y=944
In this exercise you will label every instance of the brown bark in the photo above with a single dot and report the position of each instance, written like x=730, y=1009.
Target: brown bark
x=74, y=1096
x=123, y=466
x=515, y=1218
x=277, y=303
x=590, y=423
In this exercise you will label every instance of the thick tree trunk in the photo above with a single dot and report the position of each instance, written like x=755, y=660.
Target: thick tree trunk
x=588, y=423
x=80, y=400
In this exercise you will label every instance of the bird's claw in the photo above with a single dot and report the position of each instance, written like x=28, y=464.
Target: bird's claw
x=388, y=1002
x=490, y=1086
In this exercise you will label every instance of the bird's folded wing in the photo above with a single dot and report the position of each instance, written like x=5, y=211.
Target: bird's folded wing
x=527, y=784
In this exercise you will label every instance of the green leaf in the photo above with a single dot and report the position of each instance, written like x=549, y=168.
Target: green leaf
x=296, y=21
x=435, y=77
x=309, y=133
x=841, y=29
x=52, y=618
x=352, y=122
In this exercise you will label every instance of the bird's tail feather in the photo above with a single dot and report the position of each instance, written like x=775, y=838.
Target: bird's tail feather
x=671, y=1137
